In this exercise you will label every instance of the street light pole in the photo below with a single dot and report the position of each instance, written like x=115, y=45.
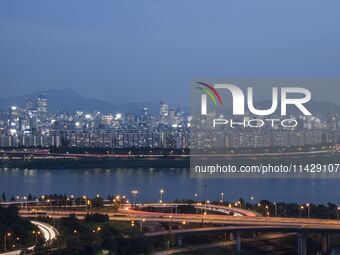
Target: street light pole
x=258, y=207
x=301, y=207
x=5, y=240
x=252, y=202
x=141, y=225
x=25, y=198
x=67, y=199
x=308, y=210
x=222, y=194
x=85, y=199
x=36, y=233
x=19, y=239
x=161, y=195
x=134, y=193
x=275, y=207
x=42, y=200
x=90, y=205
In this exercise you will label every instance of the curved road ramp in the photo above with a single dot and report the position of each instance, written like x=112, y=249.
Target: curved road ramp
x=48, y=232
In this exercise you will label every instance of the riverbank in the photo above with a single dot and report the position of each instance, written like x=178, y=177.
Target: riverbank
x=79, y=163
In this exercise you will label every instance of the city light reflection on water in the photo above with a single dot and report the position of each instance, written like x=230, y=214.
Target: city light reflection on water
x=175, y=181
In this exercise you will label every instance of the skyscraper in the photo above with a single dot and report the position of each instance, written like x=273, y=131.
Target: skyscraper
x=28, y=106
x=14, y=112
x=163, y=110
x=42, y=108
x=164, y=113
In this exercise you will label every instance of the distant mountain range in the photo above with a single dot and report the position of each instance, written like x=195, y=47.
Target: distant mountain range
x=69, y=100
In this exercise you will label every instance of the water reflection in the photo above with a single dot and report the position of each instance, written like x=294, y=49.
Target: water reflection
x=175, y=181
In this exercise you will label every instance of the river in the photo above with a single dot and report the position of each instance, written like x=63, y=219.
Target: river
x=175, y=182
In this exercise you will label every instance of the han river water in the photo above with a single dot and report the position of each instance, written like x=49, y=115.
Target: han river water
x=176, y=183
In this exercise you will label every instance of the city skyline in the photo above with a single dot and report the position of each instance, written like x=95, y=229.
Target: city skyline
x=169, y=127
x=32, y=125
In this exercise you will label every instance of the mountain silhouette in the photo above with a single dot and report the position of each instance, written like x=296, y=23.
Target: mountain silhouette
x=69, y=100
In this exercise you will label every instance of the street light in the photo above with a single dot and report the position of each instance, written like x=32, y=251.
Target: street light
x=96, y=231
x=85, y=201
x=222, y=194
x=258, y=207
x=161, y=195
x=170, y=217
x=19, y=240
x=275, y=208
x=308, y=210
x=50, y=203
x=42, y=199
x=5, y=240
x=141, y=225
x=134, y=193
x=25, y=198
x=36, y=233
x=75, y=232
x=205, y=213
x=66, y=202
x=301, y=207
x=338, y=213
x=252, y=202
x=90, y=205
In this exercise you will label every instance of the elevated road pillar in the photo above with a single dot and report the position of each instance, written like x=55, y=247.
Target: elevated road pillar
x=179, y=241
x=325, y=244
x=302, y=244
x=238, y=242
x=231, y=236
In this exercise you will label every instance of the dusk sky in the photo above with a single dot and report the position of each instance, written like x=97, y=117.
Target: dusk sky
x=149, y=50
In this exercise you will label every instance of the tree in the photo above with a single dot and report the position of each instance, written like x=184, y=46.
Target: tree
x=40, y=247
x=30, y=197
x=133, y=245
x=3, y=197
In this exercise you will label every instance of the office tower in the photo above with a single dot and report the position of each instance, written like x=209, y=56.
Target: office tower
x=42, y=108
